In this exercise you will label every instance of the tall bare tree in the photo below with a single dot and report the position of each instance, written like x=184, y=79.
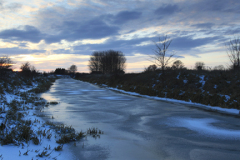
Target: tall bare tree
x=233, y=51
x=161, y=57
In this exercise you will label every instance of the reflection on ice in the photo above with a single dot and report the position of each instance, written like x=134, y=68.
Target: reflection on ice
x=87, y=90
x=116, y=98
x=204, y=126
x=73, y=92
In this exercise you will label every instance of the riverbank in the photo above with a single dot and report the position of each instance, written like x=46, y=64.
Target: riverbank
x=24, y=134
x=210, y=88
x=141, y=128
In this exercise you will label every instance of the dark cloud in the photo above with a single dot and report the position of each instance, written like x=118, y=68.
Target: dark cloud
x=28, y=33
x=188, y=43
x=22, y=45
x=128, y=47
x=92, y=29
x=16, y=50
x=69, y=30
x=232, y=31
x=10, y=7
x=231, y=6
x=14, y=6
x=204, y=25
x=125, y=16
x=166, y=10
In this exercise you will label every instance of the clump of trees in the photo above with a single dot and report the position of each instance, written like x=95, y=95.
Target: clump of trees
x=28, y=69
x=107, y=62
x=178, y=65
x=199, y=66
x=60, y=71
x=5, y=65
x=151, y=68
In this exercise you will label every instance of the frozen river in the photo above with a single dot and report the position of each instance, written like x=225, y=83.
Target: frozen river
x=139, y=128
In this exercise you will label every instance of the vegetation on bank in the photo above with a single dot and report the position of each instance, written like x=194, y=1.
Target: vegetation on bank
x=215, y=88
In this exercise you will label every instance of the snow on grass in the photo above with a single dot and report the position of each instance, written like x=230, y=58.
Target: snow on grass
x=185, y=81
x=31, y=151
x=202, y=80
x=205, y=127
x=13, y=105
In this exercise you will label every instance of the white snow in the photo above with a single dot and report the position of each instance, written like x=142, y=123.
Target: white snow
x=29, y=150
x=178, y=76
x=202, y=80
x=204, y=126
x=185, y=81
x=16, y=152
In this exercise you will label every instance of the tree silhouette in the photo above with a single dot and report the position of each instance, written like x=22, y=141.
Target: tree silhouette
x=233, y=51
x=178, y=65
x=5, y=62
x=107, y=62
x=199, y=66
x=73, y=68
x=160, y=56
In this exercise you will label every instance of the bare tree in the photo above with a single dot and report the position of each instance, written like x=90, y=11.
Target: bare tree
x=73, y=68
x=5, y=62
x=177, y=65
x=233, y=51
x=199, y=66
x=160, y=56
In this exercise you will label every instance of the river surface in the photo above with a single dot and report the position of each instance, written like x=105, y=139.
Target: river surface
x=138, y=128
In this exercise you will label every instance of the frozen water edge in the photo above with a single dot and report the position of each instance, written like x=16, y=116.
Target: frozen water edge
x=214, y=108
x=204, y=127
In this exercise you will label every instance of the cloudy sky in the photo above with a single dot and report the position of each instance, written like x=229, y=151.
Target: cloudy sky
x=58, y=33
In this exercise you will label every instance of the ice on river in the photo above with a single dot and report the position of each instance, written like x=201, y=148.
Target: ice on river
x=204, y=126
x=116, y=98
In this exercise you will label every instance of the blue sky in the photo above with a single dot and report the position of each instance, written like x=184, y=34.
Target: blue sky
x=58, y=33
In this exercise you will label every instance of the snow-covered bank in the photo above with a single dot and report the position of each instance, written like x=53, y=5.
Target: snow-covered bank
x=23, y=133
x=213, y=108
